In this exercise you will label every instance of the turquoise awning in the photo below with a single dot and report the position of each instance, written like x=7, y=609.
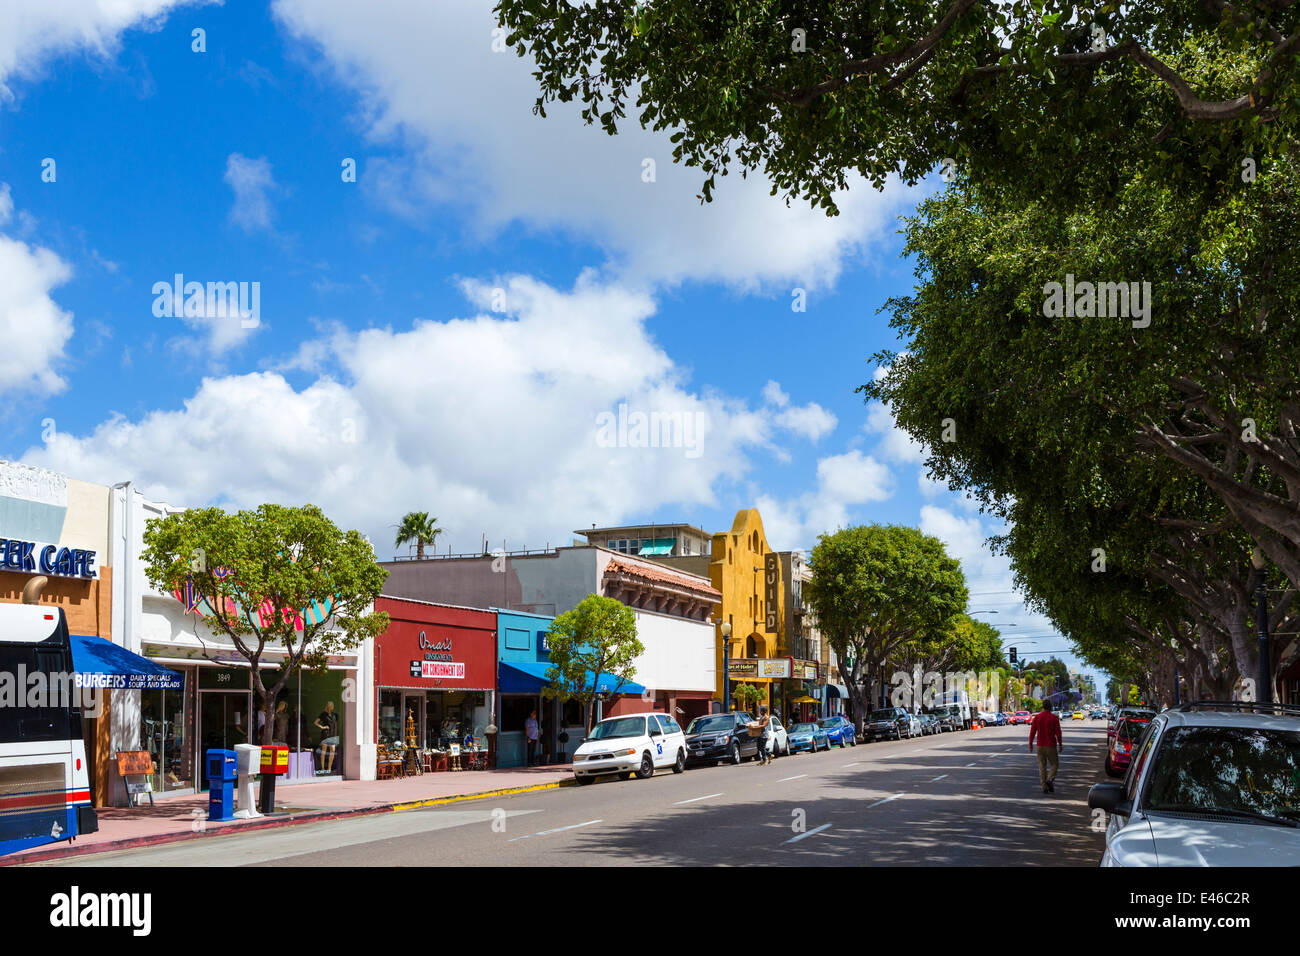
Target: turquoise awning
x=658, y=546
x=526, y=677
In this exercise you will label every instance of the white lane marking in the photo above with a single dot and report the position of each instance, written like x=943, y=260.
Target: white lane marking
x=557, y=830
x=886, y=800
x=902, y=753
x=971, y=764
x=940, y=777
x=854, y=764
x=707, y=796
x=795, y=777
x=802, y=836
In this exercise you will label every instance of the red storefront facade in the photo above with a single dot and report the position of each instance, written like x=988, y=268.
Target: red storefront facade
x=435, y=666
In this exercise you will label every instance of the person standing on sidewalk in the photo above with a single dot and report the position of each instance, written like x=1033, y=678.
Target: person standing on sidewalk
x=532, y=733
x=765, y=736
x=1045, y=726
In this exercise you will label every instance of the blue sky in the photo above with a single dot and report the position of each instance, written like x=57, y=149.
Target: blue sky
x=380, y=378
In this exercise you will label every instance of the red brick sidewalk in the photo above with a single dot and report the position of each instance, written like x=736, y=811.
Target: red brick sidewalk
x=182, y=818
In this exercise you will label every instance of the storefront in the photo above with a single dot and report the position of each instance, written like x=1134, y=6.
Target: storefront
x=57, y=528
x=435, y=667
x=324, y=717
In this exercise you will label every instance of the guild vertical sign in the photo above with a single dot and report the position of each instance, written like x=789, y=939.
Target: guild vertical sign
x=771, y=590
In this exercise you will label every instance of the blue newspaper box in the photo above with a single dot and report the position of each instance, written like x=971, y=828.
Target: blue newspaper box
x=221, y=784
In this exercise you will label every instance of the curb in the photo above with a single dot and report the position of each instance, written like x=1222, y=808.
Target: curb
x=127, y=843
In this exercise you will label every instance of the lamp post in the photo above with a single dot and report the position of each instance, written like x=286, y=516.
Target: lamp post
x=726, y=665
x=1261, y=613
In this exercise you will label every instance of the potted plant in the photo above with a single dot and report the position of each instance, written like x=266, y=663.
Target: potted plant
x=563, y=739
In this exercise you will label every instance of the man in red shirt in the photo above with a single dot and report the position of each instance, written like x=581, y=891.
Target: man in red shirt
x=1046, y=728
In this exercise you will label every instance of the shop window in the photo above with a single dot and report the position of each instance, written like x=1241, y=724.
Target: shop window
x=165, y=732
x=572, y=714
x=517, y=639
x=514, y=711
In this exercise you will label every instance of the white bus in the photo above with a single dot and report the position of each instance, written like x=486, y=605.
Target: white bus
x=44, y=783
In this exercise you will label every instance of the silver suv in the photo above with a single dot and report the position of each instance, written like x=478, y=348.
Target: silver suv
x=1214, y=783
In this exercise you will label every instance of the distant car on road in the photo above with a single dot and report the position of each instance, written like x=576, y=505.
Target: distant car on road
x=1021, y=717
x=1211, y=784
x=1077, y=715
x=839, y=730
x=808, y=736
x=637, y=744
x=930, y=724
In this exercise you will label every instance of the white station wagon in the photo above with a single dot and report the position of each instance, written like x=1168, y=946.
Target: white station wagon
x=636, y=744
x=1210, y=784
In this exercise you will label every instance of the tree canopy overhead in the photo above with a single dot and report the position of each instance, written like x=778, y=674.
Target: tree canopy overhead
x=812, y=91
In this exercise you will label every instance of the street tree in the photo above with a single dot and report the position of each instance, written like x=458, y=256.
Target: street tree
x=812, y=93
x=278, y=582
x=876, y=589
x=595, y=639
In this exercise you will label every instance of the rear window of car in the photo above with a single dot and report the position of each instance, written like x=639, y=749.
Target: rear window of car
x=1248, y=769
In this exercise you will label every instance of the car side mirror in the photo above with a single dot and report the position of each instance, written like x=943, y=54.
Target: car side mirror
x=1109, y=797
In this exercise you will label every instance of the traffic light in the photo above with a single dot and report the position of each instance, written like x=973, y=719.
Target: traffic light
x=1013, y=654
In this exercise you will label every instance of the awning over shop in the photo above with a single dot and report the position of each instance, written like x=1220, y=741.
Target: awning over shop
x=805, y=699
x=101, y=663
x=524, y=677
x=837, y=690
x=657, y=546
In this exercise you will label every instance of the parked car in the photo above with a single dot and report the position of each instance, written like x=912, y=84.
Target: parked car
x=1208, y=786
x=1021, y=717
x=1144, y=713
x=943, y=720
x=888, y=722
x=808, y=736
x=717, y=737
x=839, y=730
x=928, y=725
x=1003, y=718
x=1120, y=747
x=780, y=738
x=636, y=744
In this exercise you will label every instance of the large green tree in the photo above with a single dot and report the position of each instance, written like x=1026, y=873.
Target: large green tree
x=597, y=638
x=274, y=580
x=811, y=92
x=876, y=590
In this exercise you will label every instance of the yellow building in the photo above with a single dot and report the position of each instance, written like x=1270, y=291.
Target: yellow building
x=748, y=573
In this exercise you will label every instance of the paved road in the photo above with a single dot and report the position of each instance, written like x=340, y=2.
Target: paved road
x=969, y=798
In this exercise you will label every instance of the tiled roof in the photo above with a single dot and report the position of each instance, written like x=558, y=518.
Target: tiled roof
x=659, y=573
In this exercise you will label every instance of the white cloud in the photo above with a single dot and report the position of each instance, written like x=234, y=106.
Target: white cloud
x=842, y=481
x=475, y=146
x=32, y=326
x=33, y=31
x=490, y=421
x=773, y=394
x=251, y=180
x=895, y=444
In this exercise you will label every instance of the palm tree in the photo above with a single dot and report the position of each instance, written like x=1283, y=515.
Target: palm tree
x=417, y=526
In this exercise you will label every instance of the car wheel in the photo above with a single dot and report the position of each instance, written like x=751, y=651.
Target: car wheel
x=680, y=763
x=787, y=746
x=734, y=755
x=647, y=768
x=583, y=781
x=853, y=741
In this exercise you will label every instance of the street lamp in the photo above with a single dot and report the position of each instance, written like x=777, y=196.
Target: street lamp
x=726, y=664
x=1261, y=611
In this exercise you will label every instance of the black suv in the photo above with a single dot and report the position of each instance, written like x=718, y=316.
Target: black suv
x=717, y=737
x=887, y=722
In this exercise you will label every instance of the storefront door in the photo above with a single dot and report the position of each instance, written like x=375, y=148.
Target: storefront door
x=223, y=715
x=413, y=706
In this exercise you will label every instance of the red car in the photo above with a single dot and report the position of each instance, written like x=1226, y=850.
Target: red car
x=1021, y=717
x=1120, y=750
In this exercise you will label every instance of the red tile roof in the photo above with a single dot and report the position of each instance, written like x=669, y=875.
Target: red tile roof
x=659, y=573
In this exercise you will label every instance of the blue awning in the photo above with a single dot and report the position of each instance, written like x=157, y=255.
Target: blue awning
x=101, y=663
x=527, y=677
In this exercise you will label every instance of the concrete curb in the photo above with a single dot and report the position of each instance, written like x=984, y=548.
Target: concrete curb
x=292, y=819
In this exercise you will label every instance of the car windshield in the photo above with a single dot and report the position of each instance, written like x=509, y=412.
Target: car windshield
x=619, y=727
x=1233, y=771
x=714, y=724
x=829, y=721
x=883, y=715
x=803, y=728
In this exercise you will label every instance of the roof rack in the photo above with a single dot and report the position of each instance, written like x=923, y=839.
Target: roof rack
x=1242, y=706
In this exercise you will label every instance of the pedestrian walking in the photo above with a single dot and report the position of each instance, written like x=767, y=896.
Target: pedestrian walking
x=1045, y=727
x=765, y=736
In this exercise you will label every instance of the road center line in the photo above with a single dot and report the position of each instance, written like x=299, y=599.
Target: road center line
x=886, y=800
x=795, y=777
x=557, y=830
x=707, y=796
x=796, y=839
x=854, y=764
x=940, y=777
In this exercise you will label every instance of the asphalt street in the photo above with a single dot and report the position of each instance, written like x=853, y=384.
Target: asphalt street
x=964, y=798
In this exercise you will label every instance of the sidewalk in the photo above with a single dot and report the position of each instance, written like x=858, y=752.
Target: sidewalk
x=183, y=818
